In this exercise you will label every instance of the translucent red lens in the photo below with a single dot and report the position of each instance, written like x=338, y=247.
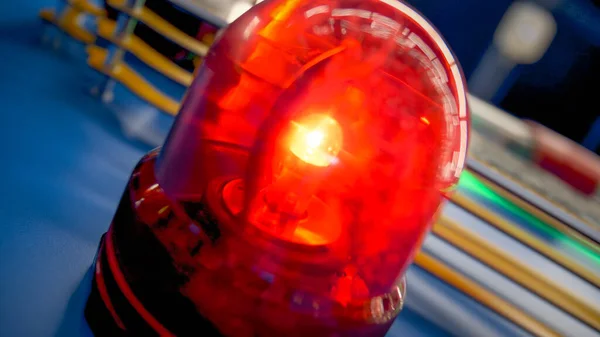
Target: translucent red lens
x=322, y=136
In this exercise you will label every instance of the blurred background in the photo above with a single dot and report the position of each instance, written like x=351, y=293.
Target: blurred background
x=548, y=73
x=558, y=86
x=88, y=86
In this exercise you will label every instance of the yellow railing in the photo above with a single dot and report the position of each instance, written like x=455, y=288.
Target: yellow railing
x=87, y=7
x=161, y=26
x=121, y=72
x=484, y=296
x=110, y=61
x=135, y=45
x=500, y=261
x=514, y=230
x=67, y=21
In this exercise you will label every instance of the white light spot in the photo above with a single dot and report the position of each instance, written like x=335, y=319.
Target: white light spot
x=422, y=45
x=251, y=26
x=463, y=148
x=460, y=91
x=316, y=10
x=361, y=13
x=314, y=139
x=426, y=26
x=440, y=70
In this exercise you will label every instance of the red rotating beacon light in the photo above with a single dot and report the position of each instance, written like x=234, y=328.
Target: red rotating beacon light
x=307, y=163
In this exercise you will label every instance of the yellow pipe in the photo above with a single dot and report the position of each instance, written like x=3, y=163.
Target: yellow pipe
x=144, y=52
x=483, y=296
x=87, y=7
x=514, y=231
x=128, y=77
x=68, y=24
x=162, y=27
x=505, y=264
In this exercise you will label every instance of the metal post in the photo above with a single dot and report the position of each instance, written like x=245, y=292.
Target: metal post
x=124, y=28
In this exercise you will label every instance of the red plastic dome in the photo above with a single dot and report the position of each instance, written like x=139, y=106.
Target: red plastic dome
x=320, y=138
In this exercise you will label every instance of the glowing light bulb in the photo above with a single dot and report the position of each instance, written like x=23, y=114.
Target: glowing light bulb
x=316, y=139
x=291, y=209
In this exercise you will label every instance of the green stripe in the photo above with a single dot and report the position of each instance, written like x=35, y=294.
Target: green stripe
x=476, y=189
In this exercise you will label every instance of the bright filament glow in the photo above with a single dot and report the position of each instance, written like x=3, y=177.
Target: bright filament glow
x=291, y=211
x=316, y=139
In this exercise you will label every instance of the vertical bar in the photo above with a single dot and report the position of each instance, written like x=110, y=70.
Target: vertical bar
x=124, y=28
